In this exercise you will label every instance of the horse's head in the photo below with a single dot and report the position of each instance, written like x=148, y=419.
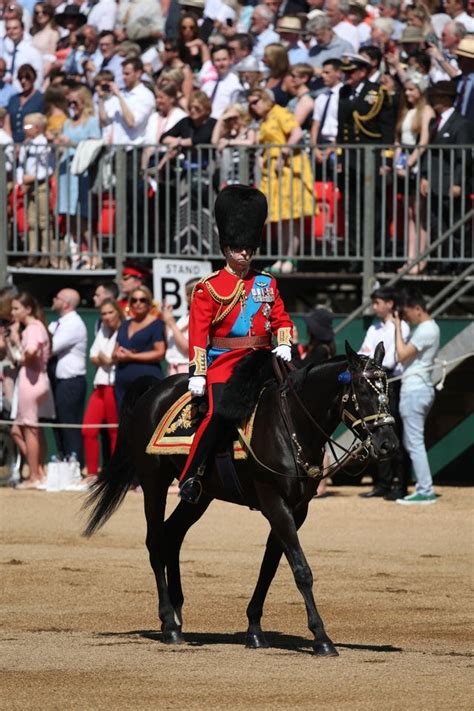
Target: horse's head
x=365, y=405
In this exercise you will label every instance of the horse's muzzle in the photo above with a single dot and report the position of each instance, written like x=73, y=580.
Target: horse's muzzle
x=384, y=443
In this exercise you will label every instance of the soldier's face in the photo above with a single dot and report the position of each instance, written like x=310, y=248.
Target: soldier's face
x=239, y=259
x=355, y=77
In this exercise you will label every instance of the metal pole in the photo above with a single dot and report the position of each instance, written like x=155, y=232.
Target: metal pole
x=121, y=208
x=3, y=218
x=369, y=224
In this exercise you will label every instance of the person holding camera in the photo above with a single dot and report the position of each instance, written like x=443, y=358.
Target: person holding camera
x=390, y=479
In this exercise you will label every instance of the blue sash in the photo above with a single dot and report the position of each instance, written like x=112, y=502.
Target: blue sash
x=243, y=321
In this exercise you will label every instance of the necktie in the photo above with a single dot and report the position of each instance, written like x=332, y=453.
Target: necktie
x=323, y=117
x=12, y=66
x=434, y=129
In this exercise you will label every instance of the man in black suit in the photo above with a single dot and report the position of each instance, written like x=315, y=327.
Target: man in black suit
x=365, y=117
x=446, y=175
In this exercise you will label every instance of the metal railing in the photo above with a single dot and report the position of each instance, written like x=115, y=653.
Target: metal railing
x=352, y=206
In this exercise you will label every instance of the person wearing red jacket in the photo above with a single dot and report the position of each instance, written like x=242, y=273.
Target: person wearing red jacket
x=233, y=311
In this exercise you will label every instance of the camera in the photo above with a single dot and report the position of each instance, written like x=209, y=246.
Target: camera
x=105, y=87
x=431, y=38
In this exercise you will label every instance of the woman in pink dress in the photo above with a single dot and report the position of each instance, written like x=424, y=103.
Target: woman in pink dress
x=35, y=398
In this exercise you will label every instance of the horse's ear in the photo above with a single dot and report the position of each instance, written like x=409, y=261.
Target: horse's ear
x=352, y=357
x=379, y=353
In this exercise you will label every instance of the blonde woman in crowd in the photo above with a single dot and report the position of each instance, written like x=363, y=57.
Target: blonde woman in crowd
x=412, y=131
x=74, y=191
x=301, y=104
x=35, y=398
x=231, y=131
x=275, y=58
x=287, y=180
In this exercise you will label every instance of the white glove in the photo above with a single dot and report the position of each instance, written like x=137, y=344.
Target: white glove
x=197, y=385
x=283, y=352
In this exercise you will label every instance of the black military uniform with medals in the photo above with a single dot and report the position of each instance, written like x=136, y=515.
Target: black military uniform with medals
x=365, y=117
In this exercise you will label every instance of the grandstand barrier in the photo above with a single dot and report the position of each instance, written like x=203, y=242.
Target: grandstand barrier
x=354, y=208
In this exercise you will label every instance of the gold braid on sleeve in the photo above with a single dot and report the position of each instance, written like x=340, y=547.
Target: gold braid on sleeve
x=198, y=365
x=284, y=336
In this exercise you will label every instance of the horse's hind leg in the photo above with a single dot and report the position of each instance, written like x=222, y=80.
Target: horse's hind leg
x=155, y=489
x=176, y=526
x=271, y=560
x=283, y=526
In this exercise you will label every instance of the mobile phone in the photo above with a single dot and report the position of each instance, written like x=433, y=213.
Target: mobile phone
x=106, y=87
x=431, y=38
x=229, y=22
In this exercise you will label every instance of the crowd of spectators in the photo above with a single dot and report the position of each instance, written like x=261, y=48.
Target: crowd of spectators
x=173, y=75
x=44, y=367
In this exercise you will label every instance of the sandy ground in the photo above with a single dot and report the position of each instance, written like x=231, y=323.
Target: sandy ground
x=392, y=584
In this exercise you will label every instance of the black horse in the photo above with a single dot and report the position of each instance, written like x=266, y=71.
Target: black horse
x=292, y=425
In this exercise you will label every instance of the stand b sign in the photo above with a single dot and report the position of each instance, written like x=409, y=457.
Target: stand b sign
x=170, y=277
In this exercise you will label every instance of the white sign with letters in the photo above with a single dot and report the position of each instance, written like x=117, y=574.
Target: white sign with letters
x=170, y=277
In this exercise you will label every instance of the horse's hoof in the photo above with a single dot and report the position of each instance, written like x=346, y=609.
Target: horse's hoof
x=172, y=637
x=256, y=640
x=325, y=649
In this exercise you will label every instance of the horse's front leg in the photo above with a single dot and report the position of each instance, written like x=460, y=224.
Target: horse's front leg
x=271, y=560
x=284, y=528
x=176, y=526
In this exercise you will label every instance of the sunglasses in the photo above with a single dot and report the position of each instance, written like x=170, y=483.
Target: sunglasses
x=40, y=12
x=255, y=101
x=72, y=103
x=139, y=300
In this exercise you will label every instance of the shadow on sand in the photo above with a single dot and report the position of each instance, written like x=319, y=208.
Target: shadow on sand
x=276, y=640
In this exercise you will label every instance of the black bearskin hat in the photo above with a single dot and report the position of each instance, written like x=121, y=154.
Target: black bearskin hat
x=240, y=213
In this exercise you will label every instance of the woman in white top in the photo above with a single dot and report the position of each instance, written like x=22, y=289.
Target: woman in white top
x=177, y=351
x=101, y=407
x=412, y=135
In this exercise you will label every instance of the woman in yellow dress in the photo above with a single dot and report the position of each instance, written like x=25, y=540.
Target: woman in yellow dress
x=286, y=180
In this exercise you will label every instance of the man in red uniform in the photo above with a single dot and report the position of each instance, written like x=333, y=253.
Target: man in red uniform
x=233, y=311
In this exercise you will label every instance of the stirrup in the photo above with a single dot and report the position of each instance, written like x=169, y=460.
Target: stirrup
x=190, y=491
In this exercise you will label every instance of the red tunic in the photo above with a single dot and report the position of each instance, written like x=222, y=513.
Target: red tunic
x=226, y=306
x=221, y=300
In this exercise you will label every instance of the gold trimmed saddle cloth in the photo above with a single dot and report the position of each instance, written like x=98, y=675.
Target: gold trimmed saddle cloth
x=175, y=431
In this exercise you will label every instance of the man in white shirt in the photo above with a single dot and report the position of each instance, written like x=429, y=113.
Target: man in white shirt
x=337, y=11
x=16, y=51
x=261, y=30
x=326, y=106
x=220, y=90
x=69, y=338
x=391, y=9
x=391, y=478
x=124, y=114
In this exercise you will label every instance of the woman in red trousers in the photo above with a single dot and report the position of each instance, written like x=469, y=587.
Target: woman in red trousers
x=101, y=407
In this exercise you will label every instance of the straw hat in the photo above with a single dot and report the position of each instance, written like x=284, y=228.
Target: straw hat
x=289, y=24
x=466, y=48
x=411, y=35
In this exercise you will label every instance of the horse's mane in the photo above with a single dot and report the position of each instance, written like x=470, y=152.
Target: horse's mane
x=298, y=377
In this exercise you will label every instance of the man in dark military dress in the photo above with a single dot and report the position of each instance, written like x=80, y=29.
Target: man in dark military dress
x=365, y=117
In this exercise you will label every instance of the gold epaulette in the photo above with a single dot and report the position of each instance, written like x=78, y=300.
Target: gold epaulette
x=204, y=279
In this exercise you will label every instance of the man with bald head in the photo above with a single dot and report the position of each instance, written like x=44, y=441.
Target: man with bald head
x=69, y=336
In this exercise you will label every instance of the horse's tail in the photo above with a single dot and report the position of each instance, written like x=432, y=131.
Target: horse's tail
x=108, y=492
